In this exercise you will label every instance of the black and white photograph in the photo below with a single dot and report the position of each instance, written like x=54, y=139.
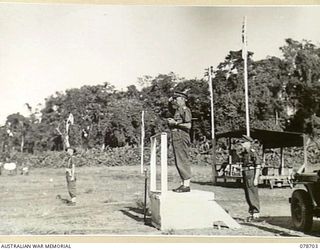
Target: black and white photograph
x=160, y=121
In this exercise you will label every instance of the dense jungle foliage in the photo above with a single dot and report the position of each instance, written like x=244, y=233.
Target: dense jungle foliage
x=284, y=95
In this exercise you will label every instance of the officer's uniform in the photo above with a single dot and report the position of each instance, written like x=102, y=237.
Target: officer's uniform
x=250, y=162
x=181, y=142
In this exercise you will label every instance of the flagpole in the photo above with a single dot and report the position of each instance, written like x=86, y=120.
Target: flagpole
x=211, y=102
x=143, y=169
x=245, y=72
x=213, y=140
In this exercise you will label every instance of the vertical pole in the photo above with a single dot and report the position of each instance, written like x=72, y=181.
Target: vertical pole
x=281, y=161
x=230, y=157
x=305, y=152
x=22, y=144
x=213, y=140
x=276, y=117
x=229, y=149
x=153, y=173
x=142, y=141
x=67, y=134
x=145, y=196
x=263, y=161
x=142, y=169
x=164, y=164
x=245, y=71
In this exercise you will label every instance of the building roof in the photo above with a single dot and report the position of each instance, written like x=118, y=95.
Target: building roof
x=269, y=138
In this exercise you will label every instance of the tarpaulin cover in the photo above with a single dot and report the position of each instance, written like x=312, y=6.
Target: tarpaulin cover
x=268, y=138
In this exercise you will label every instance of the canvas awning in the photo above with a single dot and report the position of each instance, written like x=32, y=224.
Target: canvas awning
x=268, y=138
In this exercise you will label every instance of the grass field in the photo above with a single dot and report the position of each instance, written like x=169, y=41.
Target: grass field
x=109, y=203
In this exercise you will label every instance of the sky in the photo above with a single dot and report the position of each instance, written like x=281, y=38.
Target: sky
x=46, y=48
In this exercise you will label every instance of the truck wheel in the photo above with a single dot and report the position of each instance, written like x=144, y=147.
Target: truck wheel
x=301, y=210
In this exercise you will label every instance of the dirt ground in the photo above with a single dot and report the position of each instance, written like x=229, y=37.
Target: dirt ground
x=109, y=203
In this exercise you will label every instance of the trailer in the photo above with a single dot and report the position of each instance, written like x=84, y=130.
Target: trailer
x=275, y=174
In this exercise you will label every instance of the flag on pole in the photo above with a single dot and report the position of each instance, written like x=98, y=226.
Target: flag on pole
x=244, y=38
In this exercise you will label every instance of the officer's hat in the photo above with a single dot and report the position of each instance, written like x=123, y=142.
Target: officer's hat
x=180, y=94
x=247, y=138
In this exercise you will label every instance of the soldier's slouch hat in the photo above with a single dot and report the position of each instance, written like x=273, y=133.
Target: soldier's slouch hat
x=180, y=94
x=247, y=138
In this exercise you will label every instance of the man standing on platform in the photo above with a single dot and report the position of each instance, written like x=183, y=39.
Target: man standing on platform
x=180, y=126
x=251, y=171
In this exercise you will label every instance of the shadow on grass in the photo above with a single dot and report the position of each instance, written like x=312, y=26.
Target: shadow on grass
x=280, y=226
x=270, y=230
x=285, y=222
x=219, y=184
x=63, y=200
x=232, y=184
x=137, y=214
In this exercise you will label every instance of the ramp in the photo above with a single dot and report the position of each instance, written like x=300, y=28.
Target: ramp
x=196, y=209
x=191, y=210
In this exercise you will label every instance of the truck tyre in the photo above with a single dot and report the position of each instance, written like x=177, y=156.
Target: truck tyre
x=301, y=210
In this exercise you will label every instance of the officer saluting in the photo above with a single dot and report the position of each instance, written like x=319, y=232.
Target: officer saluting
x=180, y=126
x=250, y=171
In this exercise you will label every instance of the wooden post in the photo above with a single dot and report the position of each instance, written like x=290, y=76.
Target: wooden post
x=213, y=140
x=230, y=157
x=145, y=196
x=276, y=117
x=22, y=144
x=229, y=149
x=143, y=169
x=281, y=161
x=142, y=141
x=153, y=167
x=305, y=151
x=164, y=163
x=264, y=170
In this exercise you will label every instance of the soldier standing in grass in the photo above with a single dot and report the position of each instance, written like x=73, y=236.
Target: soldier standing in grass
x=251, y=171
x=70, y=176
x=180, y=126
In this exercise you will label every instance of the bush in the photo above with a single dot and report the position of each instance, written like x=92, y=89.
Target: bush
x=110, y=157
x=130, y=156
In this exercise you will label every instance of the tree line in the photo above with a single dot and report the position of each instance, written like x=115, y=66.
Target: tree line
x=284, y=95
